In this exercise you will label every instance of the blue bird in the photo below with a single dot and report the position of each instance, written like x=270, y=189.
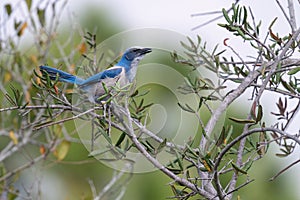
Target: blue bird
x=122, y=73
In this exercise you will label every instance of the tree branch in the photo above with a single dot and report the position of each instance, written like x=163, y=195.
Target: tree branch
x=292, y=19
x=272, y=65
x=236, y=140
x=130, y=132
x=284, y=169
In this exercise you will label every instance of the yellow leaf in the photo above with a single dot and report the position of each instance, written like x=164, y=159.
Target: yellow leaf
x=82, y=48
x=34, y=59
x=27, y=96
x=42, y=149
x=206, y=165
x=38, y=81
x=68, y=91
x=72, y=69
x=7, y=77
x=62, y=150
x=22, y=29
x=13, y=137
x=56, y=89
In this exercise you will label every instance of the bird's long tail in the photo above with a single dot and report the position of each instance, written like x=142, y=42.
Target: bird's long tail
x=62, y=76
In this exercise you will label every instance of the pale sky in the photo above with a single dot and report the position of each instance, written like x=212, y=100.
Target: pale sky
x=176, y=15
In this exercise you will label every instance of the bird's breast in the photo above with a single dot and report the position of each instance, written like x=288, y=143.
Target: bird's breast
x=109, y=84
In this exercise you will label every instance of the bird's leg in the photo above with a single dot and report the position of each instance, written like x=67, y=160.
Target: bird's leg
x=109, y=120
x=107, y=108
x=104, y=108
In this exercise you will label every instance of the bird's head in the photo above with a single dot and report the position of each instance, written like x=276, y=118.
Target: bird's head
x=132, y=56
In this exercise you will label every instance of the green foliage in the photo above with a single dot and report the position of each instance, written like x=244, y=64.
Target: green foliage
x=31, y=101
x=38, y=113
x=239, y=24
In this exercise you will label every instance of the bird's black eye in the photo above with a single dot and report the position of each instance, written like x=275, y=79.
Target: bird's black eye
x=131, y=54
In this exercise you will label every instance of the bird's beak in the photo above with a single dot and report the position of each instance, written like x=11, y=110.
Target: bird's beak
x=144, y=51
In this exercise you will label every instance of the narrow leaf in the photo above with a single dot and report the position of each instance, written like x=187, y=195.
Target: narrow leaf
x=247, y=165
x=242, y=121
x=22, y=29
x=287, y=86
x=62, y=150
x=294, y=71
x=238, y=169
x=8, y=9
x=28, y=3
x=179, y=160
x=245, y=15
x=229, y=133
x=161, y=145
x=225, y=14
x=106, y=136
x=121, y=139
x=191, y=151
x=259, y=113
x=221, y=139
x=41, y=16
x=13, y=137
x=207, y=164
x=186, y=108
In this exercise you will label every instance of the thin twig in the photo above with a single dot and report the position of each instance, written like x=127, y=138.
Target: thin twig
x=205, y=13
x=292, y=117
x=284, y=169
x=211, y=20
x=239, y=160
x=236, y=140
x=116, y=180
x=239, y=187
x=272, y=65
x=292, y=19
x=37, y=107
x=238, y=55
x=130, y=131
x=65, y=119
x=285, y=14
x=15, y=171
x=93, y=188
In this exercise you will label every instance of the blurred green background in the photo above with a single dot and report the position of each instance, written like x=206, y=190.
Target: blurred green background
x=69, y=179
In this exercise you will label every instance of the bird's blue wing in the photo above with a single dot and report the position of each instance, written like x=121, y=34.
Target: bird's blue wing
x=109, y=73
x=62, y=76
